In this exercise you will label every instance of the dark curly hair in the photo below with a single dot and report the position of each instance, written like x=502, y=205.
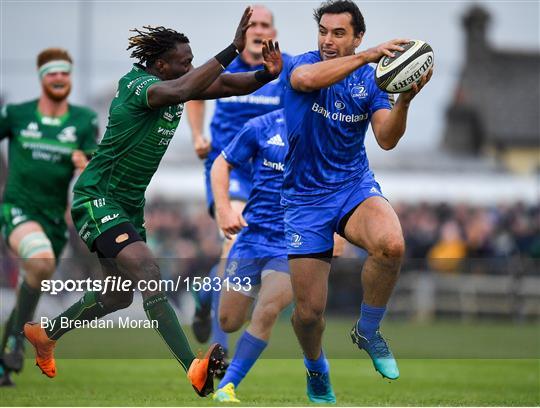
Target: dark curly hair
x=152, y=43
x=342, y=6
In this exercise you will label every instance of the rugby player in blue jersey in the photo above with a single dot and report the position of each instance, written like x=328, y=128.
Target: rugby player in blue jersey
x=230, y=115
x=330, y=100
x=257, y=267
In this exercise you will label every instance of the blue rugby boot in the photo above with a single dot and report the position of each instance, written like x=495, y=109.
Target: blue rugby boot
x=319, y=389
x=383, y=359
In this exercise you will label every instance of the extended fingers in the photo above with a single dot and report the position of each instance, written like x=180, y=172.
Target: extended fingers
x=388, y=52
x=246, y=23
x=248, y=12
x=272, y=47
x=401, y=41
x=265, y=49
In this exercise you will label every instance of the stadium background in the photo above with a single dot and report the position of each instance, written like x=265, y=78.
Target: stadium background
x=470, y=287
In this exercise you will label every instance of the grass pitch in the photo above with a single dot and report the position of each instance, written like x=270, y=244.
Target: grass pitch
x=441, y=364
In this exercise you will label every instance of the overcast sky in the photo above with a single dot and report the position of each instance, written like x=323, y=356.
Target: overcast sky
x=96, y=34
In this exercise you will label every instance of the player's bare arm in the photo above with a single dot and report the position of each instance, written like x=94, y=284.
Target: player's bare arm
x=244, y=83
x=312, y=77
x=229, y=220
x=389, y=125
x=195, y=115
x=188, y=86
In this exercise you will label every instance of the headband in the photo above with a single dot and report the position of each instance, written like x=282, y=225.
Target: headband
x=54, y=66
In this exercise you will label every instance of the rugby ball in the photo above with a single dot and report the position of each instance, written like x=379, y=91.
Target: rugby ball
x=399, y=73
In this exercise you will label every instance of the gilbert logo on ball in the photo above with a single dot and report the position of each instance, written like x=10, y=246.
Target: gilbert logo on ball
x=398, y=74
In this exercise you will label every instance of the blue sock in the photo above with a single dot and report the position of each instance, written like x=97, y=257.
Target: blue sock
x=370, y=319
x=248, y=350
x=320, y=365
x=205, y=297
x=218, y=335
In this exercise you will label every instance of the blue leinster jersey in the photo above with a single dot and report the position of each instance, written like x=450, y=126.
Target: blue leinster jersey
x=263, y=140
x=327, y=129
x=233, y=112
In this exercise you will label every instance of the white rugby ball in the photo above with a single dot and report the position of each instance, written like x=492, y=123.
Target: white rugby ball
x=399, y=73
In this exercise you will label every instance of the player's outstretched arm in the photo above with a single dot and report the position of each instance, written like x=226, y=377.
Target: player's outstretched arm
x=312, y=77
x=195, y=115
x=229, y=221
x=188, y=86
x=244, y=83
x=389, y=125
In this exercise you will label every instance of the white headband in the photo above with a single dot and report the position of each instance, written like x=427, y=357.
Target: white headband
x=54, y=66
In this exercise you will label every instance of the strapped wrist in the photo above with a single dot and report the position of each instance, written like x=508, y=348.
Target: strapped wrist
x=227, y=56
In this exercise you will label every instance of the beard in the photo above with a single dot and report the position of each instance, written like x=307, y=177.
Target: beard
x=57, y=95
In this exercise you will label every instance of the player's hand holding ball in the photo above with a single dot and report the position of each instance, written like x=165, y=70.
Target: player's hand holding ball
x=387, y=49
x=406, y=71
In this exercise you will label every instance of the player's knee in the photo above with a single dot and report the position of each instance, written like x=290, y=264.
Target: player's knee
x=140, y=268
x=268, y=314
x=151, y=269
x=391, y=247
x=308, y=316
x=229, y=323
x=39, y=269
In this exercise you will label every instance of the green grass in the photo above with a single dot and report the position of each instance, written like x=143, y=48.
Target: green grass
x=442, y=364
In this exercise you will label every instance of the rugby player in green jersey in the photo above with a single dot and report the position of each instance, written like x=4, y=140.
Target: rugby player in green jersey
x=49, y=139
x=108, y=205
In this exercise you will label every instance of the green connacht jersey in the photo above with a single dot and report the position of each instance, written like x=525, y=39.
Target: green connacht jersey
x=40, y=148
x=134, y=143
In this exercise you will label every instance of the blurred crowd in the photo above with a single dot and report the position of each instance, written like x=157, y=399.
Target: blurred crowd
x=444, y=238
x=457, y=238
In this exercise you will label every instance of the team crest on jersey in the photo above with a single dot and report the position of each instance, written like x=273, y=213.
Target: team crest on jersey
x=296, y=240
x=32, y=131
x=339, y=105
x=68, y=135
x=276, y=140
x=232, y=268
x=359, y=91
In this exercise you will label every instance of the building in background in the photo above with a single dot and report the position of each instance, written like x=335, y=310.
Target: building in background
x=496, y=102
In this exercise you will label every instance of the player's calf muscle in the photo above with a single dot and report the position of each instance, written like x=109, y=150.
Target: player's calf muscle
x=113, y=301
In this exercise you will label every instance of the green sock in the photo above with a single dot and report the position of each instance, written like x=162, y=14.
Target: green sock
x=158, y=309
x=87, y=308
x=25, y=307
